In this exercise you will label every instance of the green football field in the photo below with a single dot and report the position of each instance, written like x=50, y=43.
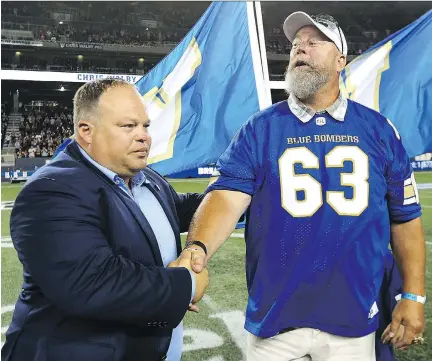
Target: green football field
x=216, y=333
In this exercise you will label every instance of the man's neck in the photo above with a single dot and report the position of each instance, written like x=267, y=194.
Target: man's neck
x=323, y=98
x=127, y=180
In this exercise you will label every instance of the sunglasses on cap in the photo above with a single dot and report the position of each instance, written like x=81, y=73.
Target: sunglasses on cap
x=329, y=22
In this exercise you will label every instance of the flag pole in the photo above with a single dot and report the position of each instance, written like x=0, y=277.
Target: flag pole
x=263, y=50
x=263, y=99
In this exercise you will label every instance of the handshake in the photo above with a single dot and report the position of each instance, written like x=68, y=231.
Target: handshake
x=194, y=259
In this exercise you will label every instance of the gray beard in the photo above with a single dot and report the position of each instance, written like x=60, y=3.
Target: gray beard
x=303, y=84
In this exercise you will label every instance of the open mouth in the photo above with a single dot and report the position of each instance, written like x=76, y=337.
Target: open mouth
x=301, y=63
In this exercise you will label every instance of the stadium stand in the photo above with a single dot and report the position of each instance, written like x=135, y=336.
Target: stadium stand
x=88, y=30
x=117, y=23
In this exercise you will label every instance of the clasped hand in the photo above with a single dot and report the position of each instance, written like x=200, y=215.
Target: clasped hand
x=194, y=259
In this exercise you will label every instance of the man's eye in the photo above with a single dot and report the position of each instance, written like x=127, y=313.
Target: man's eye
x=128, y=125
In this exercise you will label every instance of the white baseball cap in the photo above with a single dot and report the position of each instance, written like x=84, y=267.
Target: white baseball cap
x=325, y=23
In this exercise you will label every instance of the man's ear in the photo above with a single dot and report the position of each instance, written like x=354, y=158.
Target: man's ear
x=85, y=130
x=341, y=62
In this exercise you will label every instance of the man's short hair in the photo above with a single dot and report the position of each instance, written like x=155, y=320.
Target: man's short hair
x=87, y=96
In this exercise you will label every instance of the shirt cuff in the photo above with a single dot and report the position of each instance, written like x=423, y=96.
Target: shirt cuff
x=193, y=285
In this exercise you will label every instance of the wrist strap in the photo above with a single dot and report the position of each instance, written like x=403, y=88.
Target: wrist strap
x=197, y=243
x=412, y=297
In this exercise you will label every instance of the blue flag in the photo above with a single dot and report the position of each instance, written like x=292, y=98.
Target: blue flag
x=202, y=92
x=395, y=78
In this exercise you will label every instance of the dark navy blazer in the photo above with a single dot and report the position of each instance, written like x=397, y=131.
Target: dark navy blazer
x=95, y=288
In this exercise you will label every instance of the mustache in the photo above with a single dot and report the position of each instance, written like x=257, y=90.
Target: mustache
x=296, y=63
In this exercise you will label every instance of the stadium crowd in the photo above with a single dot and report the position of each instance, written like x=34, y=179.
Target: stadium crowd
x=134, y=24
x=41, y=132
x=155, y=23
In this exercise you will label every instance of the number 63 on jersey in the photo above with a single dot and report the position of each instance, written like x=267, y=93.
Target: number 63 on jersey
x=291, y=183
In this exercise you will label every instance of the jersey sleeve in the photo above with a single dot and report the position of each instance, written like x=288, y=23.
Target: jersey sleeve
x=402, y=194
x=237, y=166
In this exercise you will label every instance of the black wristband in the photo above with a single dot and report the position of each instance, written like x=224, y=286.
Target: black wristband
x=197, y=243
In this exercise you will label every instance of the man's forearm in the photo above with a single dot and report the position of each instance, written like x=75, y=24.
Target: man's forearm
x=217, y=217
x=409, y=249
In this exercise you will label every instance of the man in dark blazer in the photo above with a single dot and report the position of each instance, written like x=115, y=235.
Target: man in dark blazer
x=98, y=234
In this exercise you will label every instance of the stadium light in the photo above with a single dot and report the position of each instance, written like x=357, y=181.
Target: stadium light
x=61, y=22
x=17, y=53
x=62, y=89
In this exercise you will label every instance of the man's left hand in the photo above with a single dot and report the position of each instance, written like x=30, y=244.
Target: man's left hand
x=409, y=314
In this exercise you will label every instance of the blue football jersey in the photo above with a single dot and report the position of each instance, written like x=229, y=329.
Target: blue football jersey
x=324, y=192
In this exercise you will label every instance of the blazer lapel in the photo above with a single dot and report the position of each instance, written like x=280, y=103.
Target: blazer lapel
x=73, y=150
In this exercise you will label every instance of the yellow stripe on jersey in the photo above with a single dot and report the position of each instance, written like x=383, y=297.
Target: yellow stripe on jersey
x=409, y=191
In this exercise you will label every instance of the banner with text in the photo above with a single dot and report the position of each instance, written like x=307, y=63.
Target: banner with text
x=63, y=77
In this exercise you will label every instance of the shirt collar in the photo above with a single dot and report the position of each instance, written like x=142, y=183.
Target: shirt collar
x=337, y=110
x=137, y=180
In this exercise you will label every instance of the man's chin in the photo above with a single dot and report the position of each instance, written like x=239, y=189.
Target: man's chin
x=140, y=165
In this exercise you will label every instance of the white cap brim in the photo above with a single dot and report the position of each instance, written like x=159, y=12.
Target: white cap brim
x=294, y=22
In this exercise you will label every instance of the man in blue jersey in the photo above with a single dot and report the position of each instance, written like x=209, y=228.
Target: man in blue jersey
x=326, y=183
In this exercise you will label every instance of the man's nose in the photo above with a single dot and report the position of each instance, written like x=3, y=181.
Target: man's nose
x=301, y=48
x=143, y=134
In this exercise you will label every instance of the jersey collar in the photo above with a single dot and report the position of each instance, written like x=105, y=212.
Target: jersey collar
x=337, y=110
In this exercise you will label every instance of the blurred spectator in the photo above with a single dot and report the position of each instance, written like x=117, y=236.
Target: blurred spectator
x=41, y=132
x=4, y=124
